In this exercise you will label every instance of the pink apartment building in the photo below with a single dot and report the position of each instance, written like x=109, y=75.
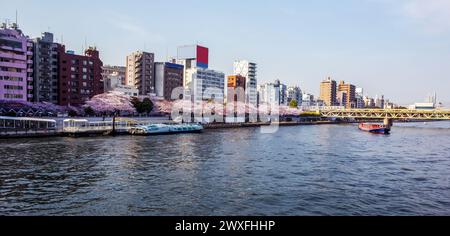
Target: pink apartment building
x=16, y=73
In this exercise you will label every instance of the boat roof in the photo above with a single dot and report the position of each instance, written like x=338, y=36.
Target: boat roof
x=76, y=120
x=26, y=119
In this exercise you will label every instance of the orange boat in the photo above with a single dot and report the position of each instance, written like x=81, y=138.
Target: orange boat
x=375, y=128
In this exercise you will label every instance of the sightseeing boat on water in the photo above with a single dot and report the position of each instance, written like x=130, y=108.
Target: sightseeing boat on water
x=375, y=128
x=155, y=129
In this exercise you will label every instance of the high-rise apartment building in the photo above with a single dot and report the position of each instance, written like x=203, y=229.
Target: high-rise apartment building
x=45, y=66
x=140, y=72
x=283, y=92
x=80, y=76
x=16, y=62
x=350, y=91
x=328, y=92
x=249, y=71
x=168, y=76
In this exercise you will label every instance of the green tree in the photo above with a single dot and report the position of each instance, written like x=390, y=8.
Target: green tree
x=293, y=104
x=147, y=105
x=11, y=113
x=310, y=114
x=89, y=111
x=72, y=113
x=137, y=104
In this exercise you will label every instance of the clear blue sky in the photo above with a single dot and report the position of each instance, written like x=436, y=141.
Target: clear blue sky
x=399, y=48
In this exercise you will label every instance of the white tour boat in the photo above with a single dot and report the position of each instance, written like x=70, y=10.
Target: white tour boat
x=155, y=129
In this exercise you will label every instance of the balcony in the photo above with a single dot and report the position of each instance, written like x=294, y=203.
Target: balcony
x=30, y=79
x=30, y=87
x=12, y=56
x=6, y=48
x=13, y=65
x=12, y=74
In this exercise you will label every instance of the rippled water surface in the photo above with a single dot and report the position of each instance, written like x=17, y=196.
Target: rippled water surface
x=304, y=170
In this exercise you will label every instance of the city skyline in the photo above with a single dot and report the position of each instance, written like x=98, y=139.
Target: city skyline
x=380, y=45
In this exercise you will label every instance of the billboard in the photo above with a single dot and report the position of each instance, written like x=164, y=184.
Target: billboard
x=202, y=57
x=195, y=52
x=187, y=52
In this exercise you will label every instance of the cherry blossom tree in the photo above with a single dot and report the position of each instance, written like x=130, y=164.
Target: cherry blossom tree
x=41, y=108
x=111, y=103
x=289, y=111
x=162, y=106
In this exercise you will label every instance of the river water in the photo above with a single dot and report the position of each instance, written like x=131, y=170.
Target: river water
x=302, y=170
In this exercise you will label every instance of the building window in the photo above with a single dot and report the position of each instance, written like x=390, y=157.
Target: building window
x=13, y=87
x=7, y=78
x=13, y=96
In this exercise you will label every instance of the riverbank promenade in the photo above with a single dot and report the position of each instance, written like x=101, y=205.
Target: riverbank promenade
x=11, y=127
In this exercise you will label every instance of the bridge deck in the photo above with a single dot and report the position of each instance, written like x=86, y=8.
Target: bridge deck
x=388, y=114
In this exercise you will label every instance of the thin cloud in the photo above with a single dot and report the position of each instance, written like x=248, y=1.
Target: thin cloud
x=288, y=11
x=432, y=15
x=133, y=29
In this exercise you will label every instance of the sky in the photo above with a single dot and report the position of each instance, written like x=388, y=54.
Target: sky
x=396, y=48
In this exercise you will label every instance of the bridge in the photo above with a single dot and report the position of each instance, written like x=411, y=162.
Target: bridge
x=388, y=115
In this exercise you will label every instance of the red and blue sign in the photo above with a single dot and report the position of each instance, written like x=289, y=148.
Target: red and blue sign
x=202, y=57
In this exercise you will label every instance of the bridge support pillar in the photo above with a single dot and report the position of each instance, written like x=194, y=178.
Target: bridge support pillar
x=388, y=122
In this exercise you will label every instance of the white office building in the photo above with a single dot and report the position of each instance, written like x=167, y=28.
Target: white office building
x=269, y=93
x=359, y=96
x=308, y=100
x=113, y=83
x=205, y=84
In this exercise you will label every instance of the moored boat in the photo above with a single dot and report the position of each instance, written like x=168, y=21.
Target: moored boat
x=375, y=128
x=155, y=129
